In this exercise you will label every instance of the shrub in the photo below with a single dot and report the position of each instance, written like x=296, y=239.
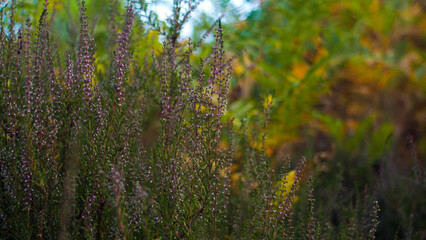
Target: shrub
x=75, y=162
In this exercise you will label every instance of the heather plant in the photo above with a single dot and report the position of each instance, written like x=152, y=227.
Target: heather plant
x=75, y=162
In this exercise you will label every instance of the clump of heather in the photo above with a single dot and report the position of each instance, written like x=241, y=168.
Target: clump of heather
x=78, y=159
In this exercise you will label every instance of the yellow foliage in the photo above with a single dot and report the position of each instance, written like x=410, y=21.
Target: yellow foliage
x=268, y=101
x=153, y=37
x=200, y=108
x=300, y=69
x=239, y=69
x=58, y=5
x=321, y=52
x=412, y=11
x=375, y=6
x=284, y=188
x=269, y=151
x=99, y=65
x=374, y=75
x=235, y=177
x=338, y=7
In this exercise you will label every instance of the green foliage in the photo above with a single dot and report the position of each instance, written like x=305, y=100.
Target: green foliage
x=107, y=133
x=347, y=82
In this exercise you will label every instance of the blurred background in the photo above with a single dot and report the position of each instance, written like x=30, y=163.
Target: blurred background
x=347, y=82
